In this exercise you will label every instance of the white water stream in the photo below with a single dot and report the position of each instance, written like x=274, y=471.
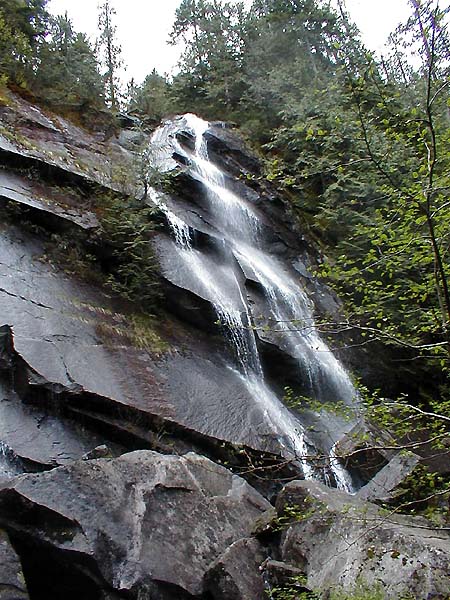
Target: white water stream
x=239, y=225
x=9, y=464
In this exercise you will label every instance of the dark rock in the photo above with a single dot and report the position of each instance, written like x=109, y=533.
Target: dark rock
x=384, y=485
x=236, y=574
x=278, y=248
x=73, y=349
x=226, y=148
x=279, y=365
x=190, y=307
x=342, y=541
x=136, y=521
x=6, y=347
x=186, y=139
x=435, y=457
x=365, y=450
x=300, y=266
x=127, y=120
x=12, y=582
x=222, y=124
x=39, y=440
x=55, y=146
x=58, y=209
x=264, y=524
x=280, y=574
x=187, y=211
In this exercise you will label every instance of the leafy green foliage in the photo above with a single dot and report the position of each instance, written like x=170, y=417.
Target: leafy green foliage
x=14, y=52
x=361, y=591
x=393, y=266
x=293, y=514
x=293, y=590
x=424, y=492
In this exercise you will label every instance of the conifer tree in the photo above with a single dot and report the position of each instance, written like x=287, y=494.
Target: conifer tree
x=14, y=51
x=110, y=53
x=152, y=98
x=23, y=25
x=210, y=79
x=67, y=74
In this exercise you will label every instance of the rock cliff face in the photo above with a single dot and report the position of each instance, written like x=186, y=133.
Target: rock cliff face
x=147, y=459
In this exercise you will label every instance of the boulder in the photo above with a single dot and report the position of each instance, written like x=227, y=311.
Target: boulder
x=131, y=139
x=12, y=583
x=140, y=522
x=99, y=452
x=342, y=541
x=236, y=574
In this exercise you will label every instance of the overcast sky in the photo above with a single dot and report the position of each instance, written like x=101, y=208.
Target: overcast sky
x=143, y=27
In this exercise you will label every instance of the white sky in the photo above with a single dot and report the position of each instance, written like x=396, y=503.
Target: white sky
x=143, y=27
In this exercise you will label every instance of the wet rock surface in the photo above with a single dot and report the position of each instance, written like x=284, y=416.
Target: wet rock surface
x=226, y=147
x=70, y=341
x=59, y=208
x=37, y=439
x=365, y=450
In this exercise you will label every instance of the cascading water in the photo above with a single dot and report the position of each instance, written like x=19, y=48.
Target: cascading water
x=235, y=319
x=291, y=310
x=9, y=464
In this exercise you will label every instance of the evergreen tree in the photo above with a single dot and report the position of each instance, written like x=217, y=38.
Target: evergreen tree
x=27, y=17
x=67, y=74
x=110, y=53
x=23, y=25
x=289, y=52
x=15, y=51
x=394, y=265
x=213, y=34
x=151, y=99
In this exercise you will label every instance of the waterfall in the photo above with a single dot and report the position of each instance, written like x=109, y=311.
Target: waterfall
x=239, y=226
x=10, y=465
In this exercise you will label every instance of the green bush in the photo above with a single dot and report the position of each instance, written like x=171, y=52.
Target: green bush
x=127, y=227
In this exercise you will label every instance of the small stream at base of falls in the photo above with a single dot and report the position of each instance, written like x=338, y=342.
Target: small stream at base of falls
x=239, y=226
